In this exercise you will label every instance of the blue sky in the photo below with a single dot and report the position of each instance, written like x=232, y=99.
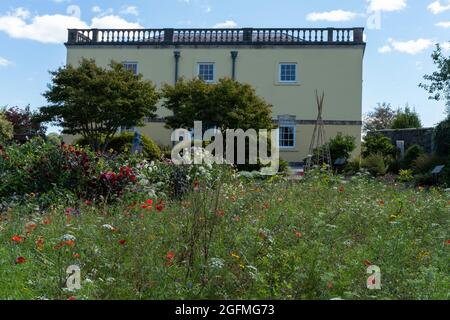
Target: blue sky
x=400, y=37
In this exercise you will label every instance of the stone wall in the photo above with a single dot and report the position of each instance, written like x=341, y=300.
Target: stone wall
x=421, y=136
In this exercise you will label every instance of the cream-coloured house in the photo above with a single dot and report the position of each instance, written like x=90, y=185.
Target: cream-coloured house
x=285, y=65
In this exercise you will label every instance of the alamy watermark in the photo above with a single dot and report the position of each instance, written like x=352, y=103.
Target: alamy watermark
x=73, y=281
x=374, y=280
x=234, y=146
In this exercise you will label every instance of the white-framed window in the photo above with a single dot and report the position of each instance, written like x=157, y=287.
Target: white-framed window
x=206, y=71
x=288, y=72
x=133, y=66
x=287, y=131
x=287, y=136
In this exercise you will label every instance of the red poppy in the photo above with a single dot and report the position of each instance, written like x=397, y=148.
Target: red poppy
x=367, y=263
x=160, y=206
x=341, y=189
x=70, y=243
x=196, y=185
x=71, y=298
x=448, y=242
x=20, y=260
x=59, y=246
x=381, y=202
x=46, y=221
x=17, y=239
x=40, y=243
x=298, y=234
x=76, y=255
x=122, y=242
x=30, y=226
x=148, y=204
x=220, y=213
x=170, y=255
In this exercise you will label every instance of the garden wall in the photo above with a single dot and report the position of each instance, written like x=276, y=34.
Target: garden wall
x=421, y=136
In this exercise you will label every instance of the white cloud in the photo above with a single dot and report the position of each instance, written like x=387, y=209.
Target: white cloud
x=385, y=49
x=131, y=10
x=443, y=24
x=46, y=28
x=21, y=13
x=386, y=5
x=53, y=28
x=445, y=46
x=412, y=46
x=436, y=7
x=226, y=24
x=113, y=22
x=4, y=62
x=96, y=9
x=334, y=15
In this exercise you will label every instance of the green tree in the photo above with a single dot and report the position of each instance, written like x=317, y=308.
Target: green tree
x=26, y=123
x=442, y=138
x=377, y=144
x=380, y=118
x=226, y=104
x=6, y=129
x=438, y=85
x=341, y=146
x=95, y=102
x=405, y=119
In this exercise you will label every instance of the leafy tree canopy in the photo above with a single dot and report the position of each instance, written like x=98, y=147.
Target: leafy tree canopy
x=226, y=104
x=24, y=121
x=94, y=102
x=438, y=83
x=380, y=118
x=406, y=118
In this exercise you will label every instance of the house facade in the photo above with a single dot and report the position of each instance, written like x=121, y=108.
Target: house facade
x=284, y=65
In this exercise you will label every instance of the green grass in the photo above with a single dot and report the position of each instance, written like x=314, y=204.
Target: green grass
x=238, y=240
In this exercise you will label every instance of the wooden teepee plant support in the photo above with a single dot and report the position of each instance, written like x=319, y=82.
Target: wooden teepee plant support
x=319, y=150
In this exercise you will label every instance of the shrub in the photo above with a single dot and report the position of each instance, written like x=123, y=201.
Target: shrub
x=444, y=178
x=283, y=166
x=39, y=167
x=374, y=163
x=352, y=167
x=405, y=176
x=341, y=146
x=411, y=155
x=124, y=142
x=423, y=179
x=425, y=163
x=393, y=165
x=442, y=138
x=6, y=129
x=377, y=144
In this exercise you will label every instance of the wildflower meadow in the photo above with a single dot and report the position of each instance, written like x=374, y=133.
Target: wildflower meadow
x=137, y=229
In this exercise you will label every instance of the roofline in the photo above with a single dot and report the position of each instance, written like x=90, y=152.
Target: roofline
x=259, y=37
